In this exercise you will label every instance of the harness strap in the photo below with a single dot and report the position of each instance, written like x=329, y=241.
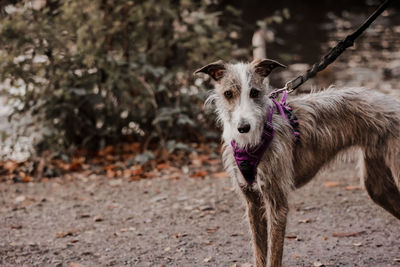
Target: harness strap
x=248, y=159
x=287, y=113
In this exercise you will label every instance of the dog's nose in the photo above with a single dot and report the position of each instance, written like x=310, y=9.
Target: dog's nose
x=244, y=127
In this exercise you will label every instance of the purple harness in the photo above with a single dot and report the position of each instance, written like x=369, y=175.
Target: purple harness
x=248, y=159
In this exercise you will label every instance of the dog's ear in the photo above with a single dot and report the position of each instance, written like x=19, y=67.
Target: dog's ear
x=216, y=70
x=263, y=67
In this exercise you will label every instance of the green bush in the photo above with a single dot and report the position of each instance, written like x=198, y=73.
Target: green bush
x=91, y=73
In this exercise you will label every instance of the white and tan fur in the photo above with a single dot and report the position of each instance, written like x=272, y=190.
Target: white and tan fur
x=331, y=122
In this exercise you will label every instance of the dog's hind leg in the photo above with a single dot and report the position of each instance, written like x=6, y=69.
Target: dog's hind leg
x=258, y=224
x=379, y=180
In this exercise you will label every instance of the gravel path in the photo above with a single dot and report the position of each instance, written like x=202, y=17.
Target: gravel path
x=187, y=222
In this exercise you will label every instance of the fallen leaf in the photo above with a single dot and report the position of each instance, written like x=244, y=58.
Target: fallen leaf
x=76, y=164
x=162, y=166
x=81, y=216
x=220, y=175
x=352, y=187
x=130, y=229
x=110, y=174
x=212, y=230
x=127, y=173
x=199, y=174
x=109, y=167
x=138, y=170
x=97, y=218
x=208, y=259
x=174, y=177
x=19, y=199
x=347, y=234
x=106, y=151
x=10, y=165
x=331, y=184
x=179, y=235
x=27, y=179
x=63, y=234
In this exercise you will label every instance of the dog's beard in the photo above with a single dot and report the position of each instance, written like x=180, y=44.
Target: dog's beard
x=244, y=140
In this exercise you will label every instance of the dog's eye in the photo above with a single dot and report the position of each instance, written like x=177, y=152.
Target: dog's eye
x=228, y=94
x=254, y=93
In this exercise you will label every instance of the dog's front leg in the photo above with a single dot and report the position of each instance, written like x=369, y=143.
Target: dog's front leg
x=258, y=223
x=276, y=213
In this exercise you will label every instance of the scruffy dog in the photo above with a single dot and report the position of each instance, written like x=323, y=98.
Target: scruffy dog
x=328, y=122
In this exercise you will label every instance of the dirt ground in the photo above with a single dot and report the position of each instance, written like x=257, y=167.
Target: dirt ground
x=95, y=221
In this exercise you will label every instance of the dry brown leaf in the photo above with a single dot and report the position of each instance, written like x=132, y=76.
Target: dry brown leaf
x=134, y=178
x=350, y=234
x=97, y=218
x=106, y=151
x=76, y=164
x=179, y=235
x=199, y=174
x=208, y=259
x=10, y=165
x=162, y=166
x=127, y=173
x=138, y=170
x=131, y=147
x=109, y=167
x=305, y=220
x=174, y=177
x=212, y=230
x=110, y=174
x=220, y=175
x=318, y=264
x=352, y=187
x=331, y=184
x=63, y=234
x=27, y=179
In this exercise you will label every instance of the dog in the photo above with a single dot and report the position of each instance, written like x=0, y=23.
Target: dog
x=329, y=122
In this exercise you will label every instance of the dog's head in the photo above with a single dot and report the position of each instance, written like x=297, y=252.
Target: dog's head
x=241, y=98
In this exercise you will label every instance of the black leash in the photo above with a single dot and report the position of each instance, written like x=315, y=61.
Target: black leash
x=335, y=52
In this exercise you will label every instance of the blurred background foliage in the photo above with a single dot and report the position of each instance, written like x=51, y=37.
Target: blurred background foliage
x=92, y=73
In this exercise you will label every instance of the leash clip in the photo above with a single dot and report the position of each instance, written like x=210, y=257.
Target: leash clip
x=289, y=87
